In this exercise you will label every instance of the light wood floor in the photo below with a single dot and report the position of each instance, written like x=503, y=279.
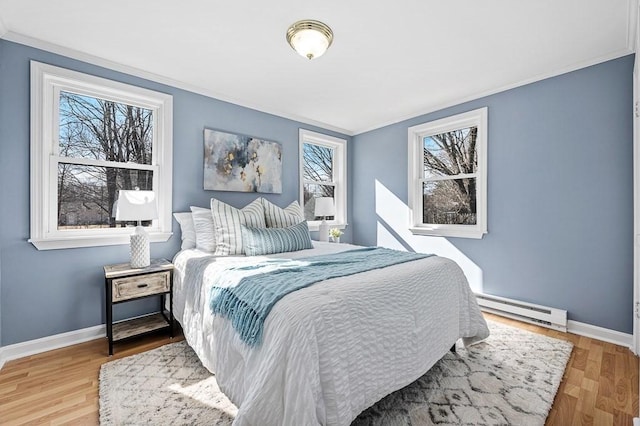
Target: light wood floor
x=600, y=385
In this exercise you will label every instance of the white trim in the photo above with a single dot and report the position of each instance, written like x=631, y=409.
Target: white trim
x=47, y=82
x=456, y=231
x=3, y=28
x=636, y=189
x=415, y=138
x=340, y=174
x=600, y=333
x=104, y=163
x=632, y=25
x=137, y=72
x=44, y=344
x=95, y=240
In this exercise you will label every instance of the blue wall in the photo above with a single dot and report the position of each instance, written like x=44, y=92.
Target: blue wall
x=44, y=293
x=560, y=194
x=560, y=197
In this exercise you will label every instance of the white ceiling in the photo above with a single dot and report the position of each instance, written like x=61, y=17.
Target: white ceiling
x=389, y=60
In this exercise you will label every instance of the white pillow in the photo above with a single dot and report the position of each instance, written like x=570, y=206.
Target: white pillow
x=203, y=224
x=227, y=221
x=277, y=217
x=187, y=230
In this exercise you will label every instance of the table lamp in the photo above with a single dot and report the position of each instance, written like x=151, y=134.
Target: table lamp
x=137, y=205
x=324, y=208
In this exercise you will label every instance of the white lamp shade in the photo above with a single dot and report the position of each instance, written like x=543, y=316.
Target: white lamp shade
x=325, y=207
x=136, y=205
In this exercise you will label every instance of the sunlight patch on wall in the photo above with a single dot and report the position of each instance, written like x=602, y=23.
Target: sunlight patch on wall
x=393, y=232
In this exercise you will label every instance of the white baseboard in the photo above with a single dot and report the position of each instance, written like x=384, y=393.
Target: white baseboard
x=600, y=333
x=44, y=344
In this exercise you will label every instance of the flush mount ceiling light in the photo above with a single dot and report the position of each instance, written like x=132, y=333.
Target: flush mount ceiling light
x=310, y=38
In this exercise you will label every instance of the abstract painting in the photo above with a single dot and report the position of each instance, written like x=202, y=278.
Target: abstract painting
x=241, y=163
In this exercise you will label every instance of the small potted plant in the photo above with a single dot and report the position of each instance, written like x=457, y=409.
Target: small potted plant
x=335, y=234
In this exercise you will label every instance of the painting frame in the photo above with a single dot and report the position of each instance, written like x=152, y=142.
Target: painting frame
x=241, y=163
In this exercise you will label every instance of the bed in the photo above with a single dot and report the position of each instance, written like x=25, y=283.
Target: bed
x=330, y=350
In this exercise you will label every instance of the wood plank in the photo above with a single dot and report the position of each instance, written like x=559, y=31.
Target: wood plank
x=571, y=390
x=574, y=376
x=579, y=358
x=621, y=418
x=592, y=369
x=602, y=418
x=595, y=350
x=582, y=419
x=133, y=327
x=607, y=375
x=586, y=402
x=622, y=396
x=590, y=385
x=564, y=409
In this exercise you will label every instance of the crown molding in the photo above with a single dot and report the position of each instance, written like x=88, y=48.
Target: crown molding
x=632, y=25
x=158, y=78
x=3, y=28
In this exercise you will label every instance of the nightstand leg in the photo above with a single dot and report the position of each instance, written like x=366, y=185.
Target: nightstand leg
x=109, y=316
x=171, y=305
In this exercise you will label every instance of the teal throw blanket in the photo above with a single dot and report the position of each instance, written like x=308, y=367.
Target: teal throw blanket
x=246, y=294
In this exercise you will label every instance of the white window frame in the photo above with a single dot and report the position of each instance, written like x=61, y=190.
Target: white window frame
x=339, y=175
x=47, y=82
x=417, y=134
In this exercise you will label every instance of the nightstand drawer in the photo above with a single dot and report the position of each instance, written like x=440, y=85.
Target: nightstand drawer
x=140, y=285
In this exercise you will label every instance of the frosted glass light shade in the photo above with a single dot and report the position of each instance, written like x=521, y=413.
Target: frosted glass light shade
x=310, y=38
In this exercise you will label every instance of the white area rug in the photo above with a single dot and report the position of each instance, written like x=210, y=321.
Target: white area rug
x=510, y=379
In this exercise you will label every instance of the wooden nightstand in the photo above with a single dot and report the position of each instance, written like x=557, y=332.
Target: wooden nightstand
x=124, y=284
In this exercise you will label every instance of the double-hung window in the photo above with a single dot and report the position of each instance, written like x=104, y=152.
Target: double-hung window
x=323, y=173
x=448, y=176
x=90, y=138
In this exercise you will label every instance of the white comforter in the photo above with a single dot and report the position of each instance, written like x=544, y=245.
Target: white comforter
x=333, y=349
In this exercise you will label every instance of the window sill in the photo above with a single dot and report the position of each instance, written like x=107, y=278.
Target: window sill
x=315, y=225
x=55, y=243
x=448, y=232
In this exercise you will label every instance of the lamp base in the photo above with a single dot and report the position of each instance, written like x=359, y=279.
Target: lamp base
x=140, y=253
x=323, y=231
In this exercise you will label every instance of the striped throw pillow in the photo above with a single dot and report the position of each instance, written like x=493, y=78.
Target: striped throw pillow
x=277, y=217
x=203, y=228
x=259, y=241
x=227, y=222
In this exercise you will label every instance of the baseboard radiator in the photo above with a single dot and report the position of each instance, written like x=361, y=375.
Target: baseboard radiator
x=522, y=311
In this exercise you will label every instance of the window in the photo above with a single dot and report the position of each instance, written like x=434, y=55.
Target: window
x=323, y=173
x=448, y=176
x=91, y=137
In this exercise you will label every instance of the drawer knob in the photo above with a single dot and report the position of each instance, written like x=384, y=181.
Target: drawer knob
x=143, y=285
